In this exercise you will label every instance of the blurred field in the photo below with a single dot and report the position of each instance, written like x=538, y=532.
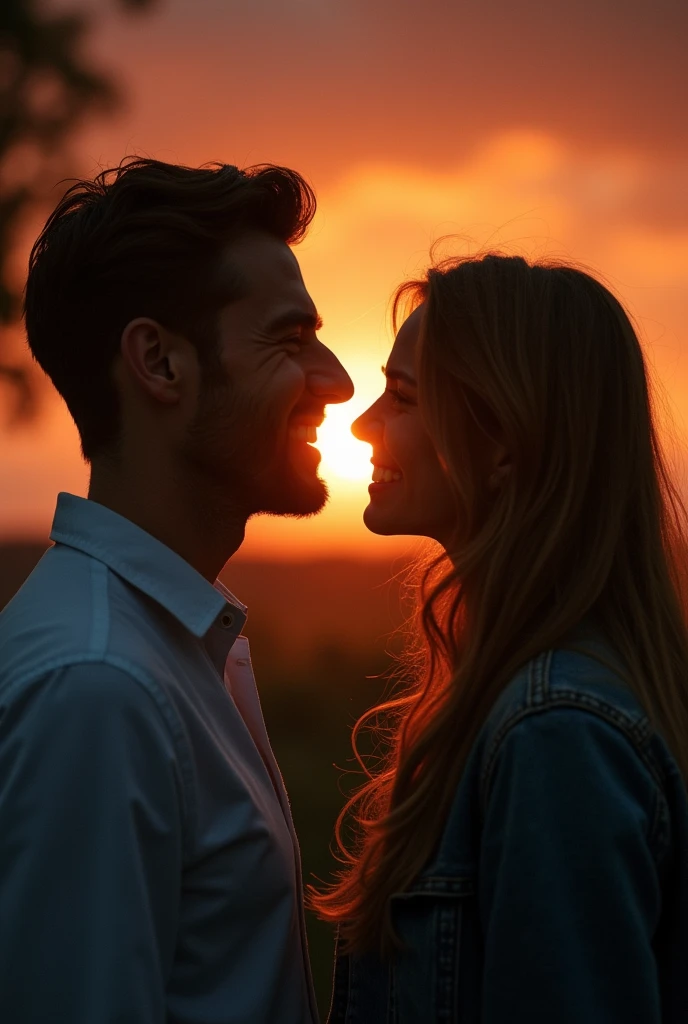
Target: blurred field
x=318, y=631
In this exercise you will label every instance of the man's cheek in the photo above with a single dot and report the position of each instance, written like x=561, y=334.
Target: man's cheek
x=290, y=384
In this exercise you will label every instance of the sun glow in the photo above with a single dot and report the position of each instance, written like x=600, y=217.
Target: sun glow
x=526, y=193
x=342, y=455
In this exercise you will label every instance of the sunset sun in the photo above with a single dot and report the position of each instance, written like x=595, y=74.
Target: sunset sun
x=342, y=455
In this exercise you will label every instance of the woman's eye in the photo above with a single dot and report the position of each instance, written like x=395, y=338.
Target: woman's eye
x=397, y=397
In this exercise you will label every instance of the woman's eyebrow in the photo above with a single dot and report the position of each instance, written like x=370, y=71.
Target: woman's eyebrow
x=391, y=374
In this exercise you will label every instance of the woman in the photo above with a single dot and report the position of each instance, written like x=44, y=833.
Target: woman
x=523, y=852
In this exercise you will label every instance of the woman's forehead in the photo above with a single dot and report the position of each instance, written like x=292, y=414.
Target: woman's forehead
x=404, y=348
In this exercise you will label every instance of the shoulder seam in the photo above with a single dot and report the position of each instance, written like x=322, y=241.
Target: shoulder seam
x=637, y=733
x=100, y=612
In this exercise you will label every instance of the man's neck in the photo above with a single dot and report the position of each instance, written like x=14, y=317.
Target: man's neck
x=183, y=514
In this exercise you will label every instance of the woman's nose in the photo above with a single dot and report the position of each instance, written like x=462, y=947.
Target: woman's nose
x=363, y=428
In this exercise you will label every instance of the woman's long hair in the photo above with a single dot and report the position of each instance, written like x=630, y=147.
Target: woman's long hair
x=586, y=522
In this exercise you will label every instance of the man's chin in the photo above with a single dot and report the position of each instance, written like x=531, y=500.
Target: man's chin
x=295, y=498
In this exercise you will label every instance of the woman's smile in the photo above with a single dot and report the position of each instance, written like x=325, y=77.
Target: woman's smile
x=383, y=474
x=409, y=493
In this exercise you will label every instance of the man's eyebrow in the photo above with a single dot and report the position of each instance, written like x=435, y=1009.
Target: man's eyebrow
x=391, y=374
x=295, y=318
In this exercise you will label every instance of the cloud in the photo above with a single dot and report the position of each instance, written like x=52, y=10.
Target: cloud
x=324, y=85
x=526, y=191
x=520, y=192
x=523, y=190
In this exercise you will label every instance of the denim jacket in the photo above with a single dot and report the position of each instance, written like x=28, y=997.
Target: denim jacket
x=558, y=893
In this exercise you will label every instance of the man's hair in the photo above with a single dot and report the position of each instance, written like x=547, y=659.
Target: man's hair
x=144, y=239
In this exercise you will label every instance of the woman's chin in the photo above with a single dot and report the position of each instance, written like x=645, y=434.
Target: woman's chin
x=384, y=524
x=377, y=523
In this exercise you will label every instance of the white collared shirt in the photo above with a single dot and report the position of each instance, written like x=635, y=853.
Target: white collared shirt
x=149, y=870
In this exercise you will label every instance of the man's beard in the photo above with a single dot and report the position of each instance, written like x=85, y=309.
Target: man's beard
x=240, y=452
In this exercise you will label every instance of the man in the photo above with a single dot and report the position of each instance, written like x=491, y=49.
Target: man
x=149, y=870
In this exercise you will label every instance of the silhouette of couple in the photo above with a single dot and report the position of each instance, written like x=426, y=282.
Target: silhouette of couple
x=520, y=853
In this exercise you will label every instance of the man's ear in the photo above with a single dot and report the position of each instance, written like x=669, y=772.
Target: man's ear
x=161, y=363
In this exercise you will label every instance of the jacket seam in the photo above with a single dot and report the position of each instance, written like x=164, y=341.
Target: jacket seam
x=637, y=734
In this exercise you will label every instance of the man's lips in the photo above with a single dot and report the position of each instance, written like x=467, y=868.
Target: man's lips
x=303, y=433
x=304, y=427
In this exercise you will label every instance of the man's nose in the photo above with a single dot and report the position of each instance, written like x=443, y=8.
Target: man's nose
x=329, y=380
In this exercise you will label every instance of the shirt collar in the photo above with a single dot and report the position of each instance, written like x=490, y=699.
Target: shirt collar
x=147, y=564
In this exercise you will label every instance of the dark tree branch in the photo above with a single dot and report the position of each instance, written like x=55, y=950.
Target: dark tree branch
x=47, y=88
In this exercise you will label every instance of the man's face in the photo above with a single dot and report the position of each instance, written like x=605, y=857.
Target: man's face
x=258, y=410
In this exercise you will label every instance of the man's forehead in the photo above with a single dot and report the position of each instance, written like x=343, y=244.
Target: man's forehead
x=284, y=303
x=275, y=295
x=261, y=257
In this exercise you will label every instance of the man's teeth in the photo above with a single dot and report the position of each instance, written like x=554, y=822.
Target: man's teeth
x=384, y=476
x=303, y=433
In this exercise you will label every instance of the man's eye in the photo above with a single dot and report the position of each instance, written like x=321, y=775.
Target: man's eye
x=294, y=339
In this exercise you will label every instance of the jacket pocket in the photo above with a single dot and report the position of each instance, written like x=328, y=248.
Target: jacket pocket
x=436, y=975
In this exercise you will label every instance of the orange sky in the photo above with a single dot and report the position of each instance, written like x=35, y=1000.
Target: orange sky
x=529, y=130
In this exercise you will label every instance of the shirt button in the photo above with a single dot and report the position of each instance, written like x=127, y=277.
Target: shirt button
x=227, y=620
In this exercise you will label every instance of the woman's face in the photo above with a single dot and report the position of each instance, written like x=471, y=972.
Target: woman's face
x=410, y=493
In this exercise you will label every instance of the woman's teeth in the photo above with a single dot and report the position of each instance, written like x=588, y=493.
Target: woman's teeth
x=384, y=476
x=302, y=433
